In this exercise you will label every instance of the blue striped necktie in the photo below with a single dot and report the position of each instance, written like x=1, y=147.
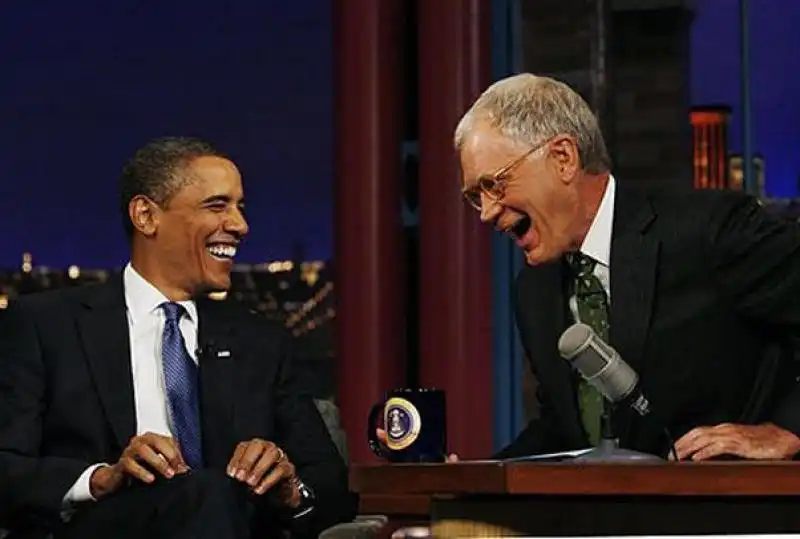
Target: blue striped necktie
x=180, y=380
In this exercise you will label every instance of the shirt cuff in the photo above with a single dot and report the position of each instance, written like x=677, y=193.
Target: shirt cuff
x=81, y=490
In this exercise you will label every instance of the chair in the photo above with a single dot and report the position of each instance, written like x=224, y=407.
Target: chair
x=364, y=526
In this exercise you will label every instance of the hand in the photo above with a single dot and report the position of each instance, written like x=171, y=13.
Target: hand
x=160, y=453
x=262, y=465
x=381, y=435
x=758, y=442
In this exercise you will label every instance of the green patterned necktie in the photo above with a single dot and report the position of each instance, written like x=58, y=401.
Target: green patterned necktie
x=592, y=303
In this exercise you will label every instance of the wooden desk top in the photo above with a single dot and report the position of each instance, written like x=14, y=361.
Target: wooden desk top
x=728, y=478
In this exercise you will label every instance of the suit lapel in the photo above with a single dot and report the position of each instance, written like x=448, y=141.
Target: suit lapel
x=634, y=260
x=219, y=380
x=549, y=321
x=103, y=328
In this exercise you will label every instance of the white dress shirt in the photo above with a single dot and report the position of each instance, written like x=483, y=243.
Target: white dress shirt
x=145, y=327
x=597, y=243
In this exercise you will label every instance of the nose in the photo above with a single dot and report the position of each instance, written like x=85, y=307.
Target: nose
x=490, y=209
x=236, y=224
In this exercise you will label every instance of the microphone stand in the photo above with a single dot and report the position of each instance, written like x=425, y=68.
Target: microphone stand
x=608, y=449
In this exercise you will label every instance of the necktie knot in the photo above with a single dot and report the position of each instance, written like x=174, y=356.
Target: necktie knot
x=172, y=311
x=581, y=264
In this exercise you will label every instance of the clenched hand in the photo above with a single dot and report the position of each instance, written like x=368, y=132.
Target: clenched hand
x=144, y=453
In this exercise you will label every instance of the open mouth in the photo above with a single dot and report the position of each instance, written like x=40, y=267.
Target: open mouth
x=520, y=228
x=223, y=252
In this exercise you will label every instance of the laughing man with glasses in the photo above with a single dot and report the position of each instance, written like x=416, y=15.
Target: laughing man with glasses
x=697, y=288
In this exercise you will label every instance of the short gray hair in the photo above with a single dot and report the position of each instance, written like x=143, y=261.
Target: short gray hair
x=529, y=109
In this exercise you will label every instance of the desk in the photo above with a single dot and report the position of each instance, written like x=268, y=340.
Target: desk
x=496, y=499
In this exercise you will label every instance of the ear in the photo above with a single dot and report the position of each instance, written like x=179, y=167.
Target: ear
x=144, y=214
x=567, y=162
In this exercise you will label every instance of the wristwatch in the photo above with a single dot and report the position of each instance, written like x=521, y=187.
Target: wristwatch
x=307, y=498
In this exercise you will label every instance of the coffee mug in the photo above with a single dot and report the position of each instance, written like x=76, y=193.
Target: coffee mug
x=415, y=426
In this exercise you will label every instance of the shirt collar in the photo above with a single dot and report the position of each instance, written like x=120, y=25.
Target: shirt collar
x=144, y=299
x=597, y=243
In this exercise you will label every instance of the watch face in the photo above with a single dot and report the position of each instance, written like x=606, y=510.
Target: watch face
x=305, y=491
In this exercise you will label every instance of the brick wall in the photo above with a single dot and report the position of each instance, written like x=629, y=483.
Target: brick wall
x=647, y=111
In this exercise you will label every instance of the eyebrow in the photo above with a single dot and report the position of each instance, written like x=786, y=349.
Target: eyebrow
x=221, y=198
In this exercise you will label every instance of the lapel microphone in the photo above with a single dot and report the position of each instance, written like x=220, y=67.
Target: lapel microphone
x=207, y=350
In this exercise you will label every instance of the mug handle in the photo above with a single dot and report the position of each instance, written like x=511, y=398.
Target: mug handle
x=375, y=445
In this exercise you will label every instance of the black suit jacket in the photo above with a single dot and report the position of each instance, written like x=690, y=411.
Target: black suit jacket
x=705, y=301
x=66, y=399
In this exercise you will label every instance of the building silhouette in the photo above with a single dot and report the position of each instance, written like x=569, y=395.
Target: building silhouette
x=710, y=147
x=736, y=173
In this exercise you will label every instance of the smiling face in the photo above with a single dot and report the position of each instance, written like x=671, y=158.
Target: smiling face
x=189, y=243
x=538, y=202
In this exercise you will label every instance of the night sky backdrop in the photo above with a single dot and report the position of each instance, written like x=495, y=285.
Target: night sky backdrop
x=774, y=76
x=85, y=83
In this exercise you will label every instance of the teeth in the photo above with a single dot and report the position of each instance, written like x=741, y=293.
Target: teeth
x=222, y=251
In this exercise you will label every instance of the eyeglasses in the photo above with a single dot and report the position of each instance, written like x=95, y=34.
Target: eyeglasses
x=494, y=185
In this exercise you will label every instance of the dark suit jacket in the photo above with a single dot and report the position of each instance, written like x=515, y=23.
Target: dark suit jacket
x=705, y=295
x=66, y=399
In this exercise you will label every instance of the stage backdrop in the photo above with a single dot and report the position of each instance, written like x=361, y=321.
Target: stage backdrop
x=84, y=83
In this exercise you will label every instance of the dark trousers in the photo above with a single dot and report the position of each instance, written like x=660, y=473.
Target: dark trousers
x=205, y=504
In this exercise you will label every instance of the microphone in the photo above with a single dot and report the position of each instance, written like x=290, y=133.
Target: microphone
x=602, y=367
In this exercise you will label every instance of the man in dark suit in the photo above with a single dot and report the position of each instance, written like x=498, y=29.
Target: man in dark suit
x=139, y=407
x=698, y=291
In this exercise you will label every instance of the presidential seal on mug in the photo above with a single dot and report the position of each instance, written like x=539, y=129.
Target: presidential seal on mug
x=403, y=423
x=400, y=416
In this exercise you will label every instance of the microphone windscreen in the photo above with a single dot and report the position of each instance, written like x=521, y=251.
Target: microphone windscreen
x=574, y=340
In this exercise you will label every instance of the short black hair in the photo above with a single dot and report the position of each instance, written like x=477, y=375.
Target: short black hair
x=155, y=171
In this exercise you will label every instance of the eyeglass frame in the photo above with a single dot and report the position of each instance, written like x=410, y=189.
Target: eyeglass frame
x=495, y=189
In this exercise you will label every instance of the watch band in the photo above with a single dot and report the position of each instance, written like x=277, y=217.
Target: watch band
x=307, y=498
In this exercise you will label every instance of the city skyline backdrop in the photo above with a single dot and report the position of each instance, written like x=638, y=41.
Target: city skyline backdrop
x=100, y=79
